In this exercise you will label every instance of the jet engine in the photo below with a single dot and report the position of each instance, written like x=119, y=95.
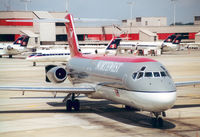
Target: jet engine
x=55, y=74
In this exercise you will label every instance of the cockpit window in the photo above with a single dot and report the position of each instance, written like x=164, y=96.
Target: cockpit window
x=167, y=74
x=162, y=67
x=156, y=74
x=140, y=74
x=134, y=75
x=148, y=74
x=143, y=68
x=163, y=74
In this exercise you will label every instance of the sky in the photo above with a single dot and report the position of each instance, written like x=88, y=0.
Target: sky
x=114, y=9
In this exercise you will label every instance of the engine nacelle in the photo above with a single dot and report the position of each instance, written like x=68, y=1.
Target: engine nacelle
x=55, y=74
x=9, y=48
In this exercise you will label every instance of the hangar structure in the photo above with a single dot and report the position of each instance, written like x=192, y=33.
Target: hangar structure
x=55, y=33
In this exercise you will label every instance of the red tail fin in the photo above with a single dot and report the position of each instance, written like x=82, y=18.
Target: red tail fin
x=72, y=37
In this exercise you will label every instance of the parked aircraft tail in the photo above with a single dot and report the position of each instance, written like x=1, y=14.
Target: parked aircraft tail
x=19, y=40
x=114, y=43
x=177, y=40
x=170, y=38
x=22, y=41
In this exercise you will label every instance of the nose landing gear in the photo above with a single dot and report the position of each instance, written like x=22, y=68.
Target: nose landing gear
x=157, y=121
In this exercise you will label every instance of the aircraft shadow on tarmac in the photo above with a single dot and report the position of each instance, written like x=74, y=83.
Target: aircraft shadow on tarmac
x=103, y=108
x=186, y=106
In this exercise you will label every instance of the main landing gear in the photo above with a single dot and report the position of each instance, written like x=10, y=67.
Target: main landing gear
x=72, y=103
x=10, y=56
x=157, y=121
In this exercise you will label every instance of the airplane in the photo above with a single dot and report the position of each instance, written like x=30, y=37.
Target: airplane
x=173, y=44
x=137, y=82
x=63, y=55
x=170, y=43
x=18, y=47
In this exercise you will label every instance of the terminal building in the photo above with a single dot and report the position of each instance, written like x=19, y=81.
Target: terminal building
x=139, y=29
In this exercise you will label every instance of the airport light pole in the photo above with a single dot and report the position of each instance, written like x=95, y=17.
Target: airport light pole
x=131, y=3
x=26, y=4
x=174, y=3
x=67, y=5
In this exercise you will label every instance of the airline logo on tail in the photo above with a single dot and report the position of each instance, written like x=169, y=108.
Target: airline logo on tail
x=19, y=40
x=170, y=38
x=114, y=44
x=72, y=38
x=22, y=41
x=177, y=40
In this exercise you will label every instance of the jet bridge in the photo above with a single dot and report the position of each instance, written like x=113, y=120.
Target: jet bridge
x=146, y=35
x=47, y=31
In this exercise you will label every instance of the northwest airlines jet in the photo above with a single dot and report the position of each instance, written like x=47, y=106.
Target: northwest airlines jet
x=136, y=82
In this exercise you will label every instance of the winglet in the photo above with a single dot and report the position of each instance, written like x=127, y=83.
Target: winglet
x=72, y=37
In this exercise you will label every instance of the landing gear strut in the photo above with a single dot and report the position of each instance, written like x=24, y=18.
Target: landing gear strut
x=72, y=103
x=157, y=121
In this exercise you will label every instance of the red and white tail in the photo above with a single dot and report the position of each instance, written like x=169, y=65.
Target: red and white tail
x=72, y=37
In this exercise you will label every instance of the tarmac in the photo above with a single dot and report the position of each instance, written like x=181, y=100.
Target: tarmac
x=40, y=114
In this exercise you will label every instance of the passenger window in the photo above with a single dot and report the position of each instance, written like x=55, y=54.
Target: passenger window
x=148, y=74
x=134, y=75
x=163, y=74
x=140, y=74
x=156, y=74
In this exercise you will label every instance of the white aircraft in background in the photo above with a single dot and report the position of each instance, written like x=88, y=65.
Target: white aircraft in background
x=171, y=42
x=63, y=55
x=18, y=47
x=137, y=82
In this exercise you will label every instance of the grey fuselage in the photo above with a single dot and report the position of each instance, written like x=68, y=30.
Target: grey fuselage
x=121, y=81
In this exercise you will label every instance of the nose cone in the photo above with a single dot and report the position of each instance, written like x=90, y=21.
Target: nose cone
x=157, y=95
x=162, y=97
x=156, y=102
x=163, y=101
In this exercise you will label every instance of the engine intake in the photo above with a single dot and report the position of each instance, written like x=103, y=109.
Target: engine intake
x=55, y=74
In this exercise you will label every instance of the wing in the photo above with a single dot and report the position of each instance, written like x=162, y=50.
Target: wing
x=187, y=83
x=81, y=90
